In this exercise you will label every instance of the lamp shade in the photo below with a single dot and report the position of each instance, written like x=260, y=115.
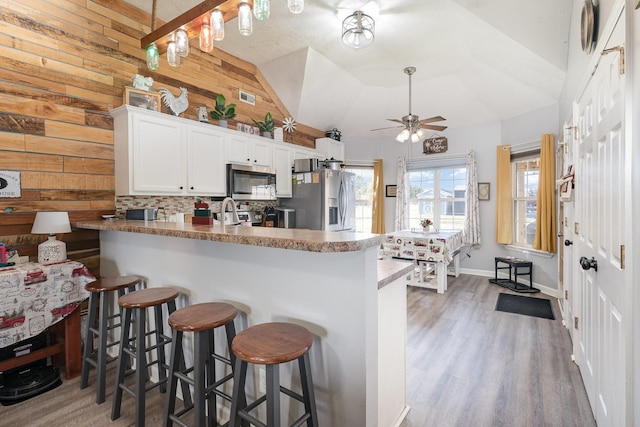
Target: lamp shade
x=51, y=223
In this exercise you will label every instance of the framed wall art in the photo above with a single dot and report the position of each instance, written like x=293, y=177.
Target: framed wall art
x=391, y=190
x=484, y=191
x=142, y=98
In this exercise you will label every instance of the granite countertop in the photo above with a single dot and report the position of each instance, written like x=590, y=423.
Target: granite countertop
x=282, y=238
x=391, y=269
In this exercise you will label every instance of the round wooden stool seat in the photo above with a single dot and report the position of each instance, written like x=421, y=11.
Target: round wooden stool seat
x=202, y=317
x=108, y=284
x=272, y=343
x=147, y=297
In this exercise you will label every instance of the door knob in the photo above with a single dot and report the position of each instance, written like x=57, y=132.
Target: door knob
x=568, y=243
x=587, y=263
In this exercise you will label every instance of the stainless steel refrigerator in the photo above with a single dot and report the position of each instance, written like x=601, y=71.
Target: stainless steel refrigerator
x=323, y=199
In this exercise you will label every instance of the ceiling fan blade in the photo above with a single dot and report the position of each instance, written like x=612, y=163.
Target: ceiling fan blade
x=396, y=120
x=390, y=127
x=432, y=119
x=433, y=127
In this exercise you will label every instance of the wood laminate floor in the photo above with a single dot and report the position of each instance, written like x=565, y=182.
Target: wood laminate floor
x=468, y=365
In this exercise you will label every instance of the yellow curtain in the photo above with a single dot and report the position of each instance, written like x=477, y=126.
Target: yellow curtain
x=504, y=207
x=377, y=220
x=545, y=238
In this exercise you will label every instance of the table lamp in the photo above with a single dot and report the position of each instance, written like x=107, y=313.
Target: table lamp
x=50, y=223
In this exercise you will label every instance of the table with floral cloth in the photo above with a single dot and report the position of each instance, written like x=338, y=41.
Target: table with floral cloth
x=35, y=296
x=435, y=250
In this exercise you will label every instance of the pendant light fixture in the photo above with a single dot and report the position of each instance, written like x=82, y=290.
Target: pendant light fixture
x=153, y=57
x=182, y=42
x=295, y=6
x=217, y=25
x=261, y=9
x=206, y=37
x=245, y=21
x=173, y=57
x=358, y=30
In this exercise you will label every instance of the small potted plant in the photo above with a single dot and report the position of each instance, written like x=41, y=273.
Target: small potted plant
x=426, y=224
x=223, y=112
x=267, y=126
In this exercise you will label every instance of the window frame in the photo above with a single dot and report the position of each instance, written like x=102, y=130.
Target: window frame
x=520, y=240
x=352, y=168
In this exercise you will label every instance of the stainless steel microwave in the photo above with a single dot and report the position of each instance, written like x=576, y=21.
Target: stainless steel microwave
x=249, y=182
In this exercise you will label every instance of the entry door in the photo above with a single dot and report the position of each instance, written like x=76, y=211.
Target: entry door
x=600, y=231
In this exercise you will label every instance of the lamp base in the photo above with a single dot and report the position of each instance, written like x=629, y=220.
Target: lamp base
x=52, y=251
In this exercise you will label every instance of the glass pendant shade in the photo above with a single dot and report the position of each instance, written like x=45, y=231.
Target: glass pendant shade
x=173, y=58
x=153, y=57
x=403, y=136
x=261, y=9
x=358, y=30
x=217, y=25
x=206, y=38
x=182, y=42
x=245, y=21
x=295, y=6
x=415, y=137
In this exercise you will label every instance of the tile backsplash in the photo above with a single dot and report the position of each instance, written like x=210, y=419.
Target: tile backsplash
x=170, y=205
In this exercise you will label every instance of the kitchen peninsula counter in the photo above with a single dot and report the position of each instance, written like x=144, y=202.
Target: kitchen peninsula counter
x=327, y=282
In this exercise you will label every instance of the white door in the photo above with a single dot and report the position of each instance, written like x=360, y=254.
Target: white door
x=600, y=233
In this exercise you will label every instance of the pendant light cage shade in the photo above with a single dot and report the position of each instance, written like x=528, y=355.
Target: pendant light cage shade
x=261, y=9
x=173, y=58
x=358, y=30
x=217, y=25
x=206, y=38
x=182, y=42
x=245, y=20
x=153, y=57
x=295, y=6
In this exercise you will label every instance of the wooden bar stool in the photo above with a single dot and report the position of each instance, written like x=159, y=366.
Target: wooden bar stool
x=102, y=290
x=271, y=344
x=136, y=304
x=201, y=319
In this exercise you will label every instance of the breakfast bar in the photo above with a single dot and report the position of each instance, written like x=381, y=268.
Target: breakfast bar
x=330, y=283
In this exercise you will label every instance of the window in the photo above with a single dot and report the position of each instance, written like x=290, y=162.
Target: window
x=438, y=194
x=526, y=172
x=364, y=197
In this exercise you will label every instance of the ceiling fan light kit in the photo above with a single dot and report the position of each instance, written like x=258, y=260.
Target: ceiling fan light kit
x=295, y=6
x=358, y=30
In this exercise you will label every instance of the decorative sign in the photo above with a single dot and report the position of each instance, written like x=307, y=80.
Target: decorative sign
x=435, y=145
x=9, y=184
x=253, y=130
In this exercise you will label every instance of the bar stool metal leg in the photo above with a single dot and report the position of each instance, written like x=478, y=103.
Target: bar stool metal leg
x=120, y=370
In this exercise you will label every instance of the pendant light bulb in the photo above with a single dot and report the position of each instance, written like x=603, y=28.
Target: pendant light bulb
x=415, y=137
x=261, y=9
x=153, y=57
x=217, y=25
x=295, y=6
x=245, y=21
x=206, y=38
x=173, y=58
x=182, y=42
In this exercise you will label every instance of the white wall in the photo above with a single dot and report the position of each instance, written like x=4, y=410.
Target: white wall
x=483, y=140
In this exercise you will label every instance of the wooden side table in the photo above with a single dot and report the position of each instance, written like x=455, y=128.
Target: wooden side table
x=513, y=265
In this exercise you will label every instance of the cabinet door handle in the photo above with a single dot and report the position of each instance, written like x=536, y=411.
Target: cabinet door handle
x=181, y=187
x=192, y=188
x=248, y=160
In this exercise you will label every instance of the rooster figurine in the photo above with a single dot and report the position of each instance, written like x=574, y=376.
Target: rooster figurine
x=176, y=105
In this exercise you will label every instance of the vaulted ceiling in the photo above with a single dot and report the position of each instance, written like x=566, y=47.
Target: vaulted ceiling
x=477, y=61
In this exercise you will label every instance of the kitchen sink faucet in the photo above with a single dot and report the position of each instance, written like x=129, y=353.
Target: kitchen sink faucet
x=223, y=209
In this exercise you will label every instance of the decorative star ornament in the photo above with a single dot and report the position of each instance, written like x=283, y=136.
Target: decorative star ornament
x=288, y=124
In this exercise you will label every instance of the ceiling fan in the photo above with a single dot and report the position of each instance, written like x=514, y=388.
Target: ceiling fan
x=411, y=123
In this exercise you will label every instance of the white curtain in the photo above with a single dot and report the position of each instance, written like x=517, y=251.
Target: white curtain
x=402, y=193
x=472, y=215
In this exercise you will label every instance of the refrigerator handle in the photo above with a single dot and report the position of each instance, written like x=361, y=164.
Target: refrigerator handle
x=342, y=196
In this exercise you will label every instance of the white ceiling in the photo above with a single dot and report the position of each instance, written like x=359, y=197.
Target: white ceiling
x=477, y=61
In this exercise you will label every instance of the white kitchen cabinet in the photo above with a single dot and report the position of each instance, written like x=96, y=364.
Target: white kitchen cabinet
x=331, y=148
x=206, y=162
x=249, y=150
x=306, y=153
x=158, y=154
x=282, y=162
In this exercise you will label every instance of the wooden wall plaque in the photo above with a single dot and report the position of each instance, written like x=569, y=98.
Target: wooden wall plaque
x=435, y=145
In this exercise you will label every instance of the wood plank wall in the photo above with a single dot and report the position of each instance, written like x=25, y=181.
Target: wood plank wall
x=64, y=65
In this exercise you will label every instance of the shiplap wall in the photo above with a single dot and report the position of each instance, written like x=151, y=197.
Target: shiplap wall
x=64, y=66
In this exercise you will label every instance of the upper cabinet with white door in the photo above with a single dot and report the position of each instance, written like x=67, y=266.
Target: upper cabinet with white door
x=158, y=154
x=250, y=150
x=282, y=163
x=330, y=148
